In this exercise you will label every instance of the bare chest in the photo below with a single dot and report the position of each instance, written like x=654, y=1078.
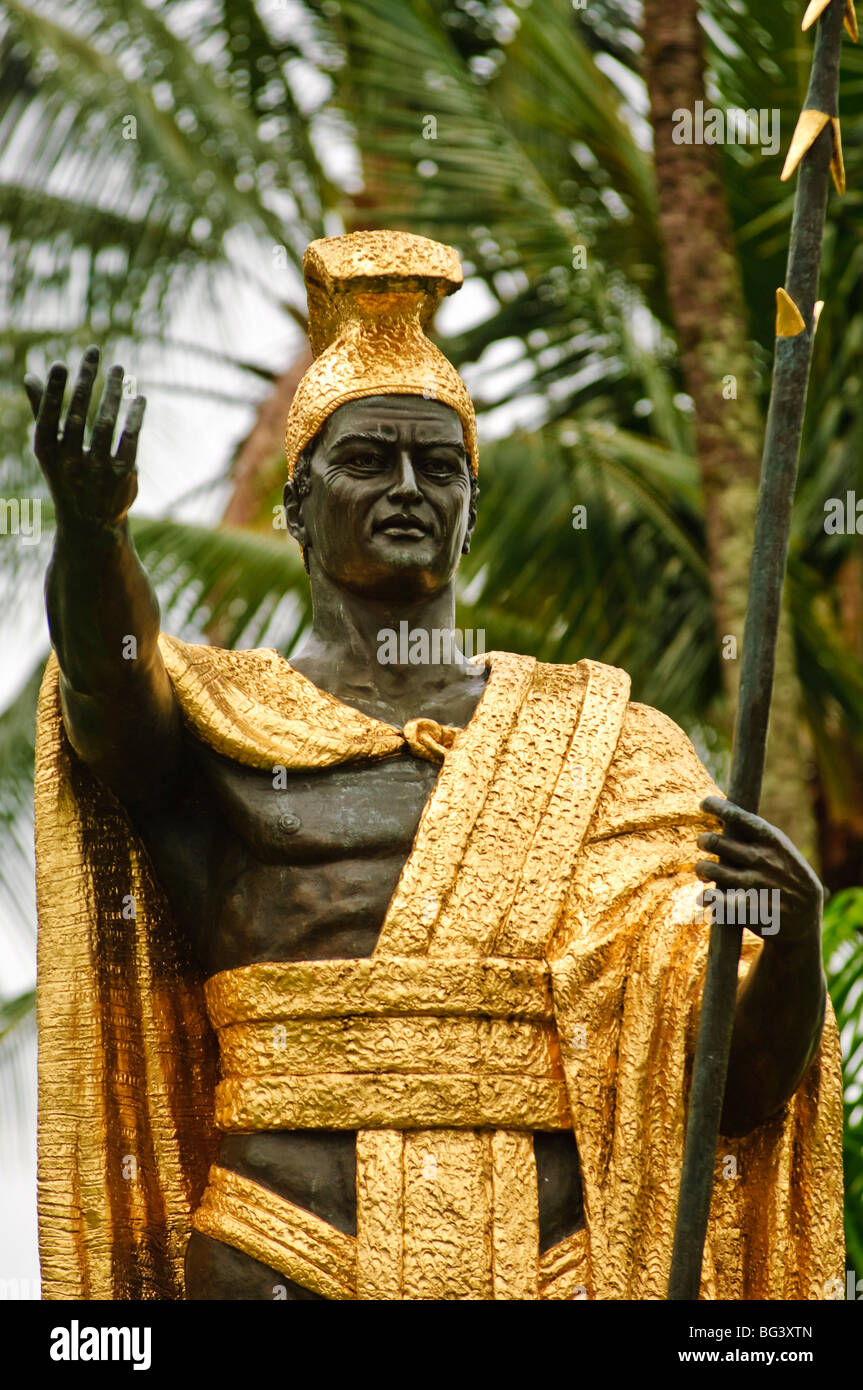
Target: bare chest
x=273, y=866
x=314, y=818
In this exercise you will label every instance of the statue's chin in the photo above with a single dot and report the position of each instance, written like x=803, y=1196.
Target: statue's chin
x=405, y=569
x=403, y=582
x=407, y=557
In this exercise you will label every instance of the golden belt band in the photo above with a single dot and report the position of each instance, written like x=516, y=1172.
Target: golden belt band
x=309, y=1252
x=443, y=1068
x=496, y=987
x=398, y=1063
x=410, y=1043
x=419, y=1101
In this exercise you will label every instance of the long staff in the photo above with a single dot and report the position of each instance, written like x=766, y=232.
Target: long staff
x=817, y=148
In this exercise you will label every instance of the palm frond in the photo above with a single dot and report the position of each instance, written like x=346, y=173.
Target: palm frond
x=140, y=144
x=843, y=957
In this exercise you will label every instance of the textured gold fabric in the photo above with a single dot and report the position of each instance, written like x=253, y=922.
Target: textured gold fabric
x=127, y=1061
x=312, y=1253
x=347, y=1100
x=408, y=1043
x=289, y=1239
x=410, y=1063
x=447, y=1214
x=628, y=971
x=492, y=988
x=371, y=295
x=560, y=837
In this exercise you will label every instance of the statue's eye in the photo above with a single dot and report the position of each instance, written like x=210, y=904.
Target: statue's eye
x=439, y=462
x=366, y=461
x=439, y=467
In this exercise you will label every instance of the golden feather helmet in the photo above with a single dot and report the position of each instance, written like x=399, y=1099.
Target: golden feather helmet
x=371, y=296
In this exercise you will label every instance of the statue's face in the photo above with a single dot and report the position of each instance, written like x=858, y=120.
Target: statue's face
x=388, y=509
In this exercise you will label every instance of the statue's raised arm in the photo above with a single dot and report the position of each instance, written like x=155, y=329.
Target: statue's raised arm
x=118, y=706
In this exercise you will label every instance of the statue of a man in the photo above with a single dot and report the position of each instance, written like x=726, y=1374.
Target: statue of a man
x=436, y=919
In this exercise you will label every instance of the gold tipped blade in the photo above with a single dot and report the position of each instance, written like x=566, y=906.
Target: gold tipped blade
x=809, y=126
x=837, y=163
x=789, y=320
x=816, y=314
x=814, y=11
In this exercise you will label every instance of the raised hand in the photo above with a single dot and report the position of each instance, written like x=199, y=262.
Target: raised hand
x=91, y=488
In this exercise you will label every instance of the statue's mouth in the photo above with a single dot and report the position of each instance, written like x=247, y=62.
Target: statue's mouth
x=403, y=525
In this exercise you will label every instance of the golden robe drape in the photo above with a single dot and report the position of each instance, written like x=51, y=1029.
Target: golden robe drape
x=561, y=830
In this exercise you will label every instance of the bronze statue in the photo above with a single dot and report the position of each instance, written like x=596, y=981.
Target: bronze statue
x=437, y=917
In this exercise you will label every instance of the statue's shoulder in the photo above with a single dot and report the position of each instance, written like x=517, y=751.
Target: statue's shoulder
x=200, y=664
x=215, y=683
x=602, y=681
x=645, y=732
x=648, y=728
x=653, y=774
x=656, y=775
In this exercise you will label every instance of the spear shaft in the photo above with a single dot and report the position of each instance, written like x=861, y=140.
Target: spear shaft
x=772, y=527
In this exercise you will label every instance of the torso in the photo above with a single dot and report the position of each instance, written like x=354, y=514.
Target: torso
x=261, y=873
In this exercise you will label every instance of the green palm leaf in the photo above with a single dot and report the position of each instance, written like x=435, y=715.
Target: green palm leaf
x=843, y=956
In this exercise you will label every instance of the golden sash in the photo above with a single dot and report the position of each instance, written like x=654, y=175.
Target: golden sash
x=310, y=1252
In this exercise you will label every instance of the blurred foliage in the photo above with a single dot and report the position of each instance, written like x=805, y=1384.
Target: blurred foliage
x=843, y=959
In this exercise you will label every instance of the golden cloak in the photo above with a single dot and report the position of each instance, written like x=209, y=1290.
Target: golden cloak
x=561, y=838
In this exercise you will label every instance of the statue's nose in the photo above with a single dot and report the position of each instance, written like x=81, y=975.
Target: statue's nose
x=405, y=484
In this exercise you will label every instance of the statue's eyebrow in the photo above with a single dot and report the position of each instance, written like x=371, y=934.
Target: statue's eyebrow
x=367, y=437
x=440, y=444
x=379, y=437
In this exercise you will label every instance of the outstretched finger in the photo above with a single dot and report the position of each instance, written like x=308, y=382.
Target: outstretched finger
x=48, y=419
x=103, y=430
x=128, y=446
x=34, y=389
x=73, y=434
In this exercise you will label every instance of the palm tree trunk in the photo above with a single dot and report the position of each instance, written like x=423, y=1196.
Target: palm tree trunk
x=253, y=473
x=258, y=466
x=706, y=300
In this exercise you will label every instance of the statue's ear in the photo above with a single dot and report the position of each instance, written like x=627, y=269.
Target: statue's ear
x=471, y=522
x=294, y=514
